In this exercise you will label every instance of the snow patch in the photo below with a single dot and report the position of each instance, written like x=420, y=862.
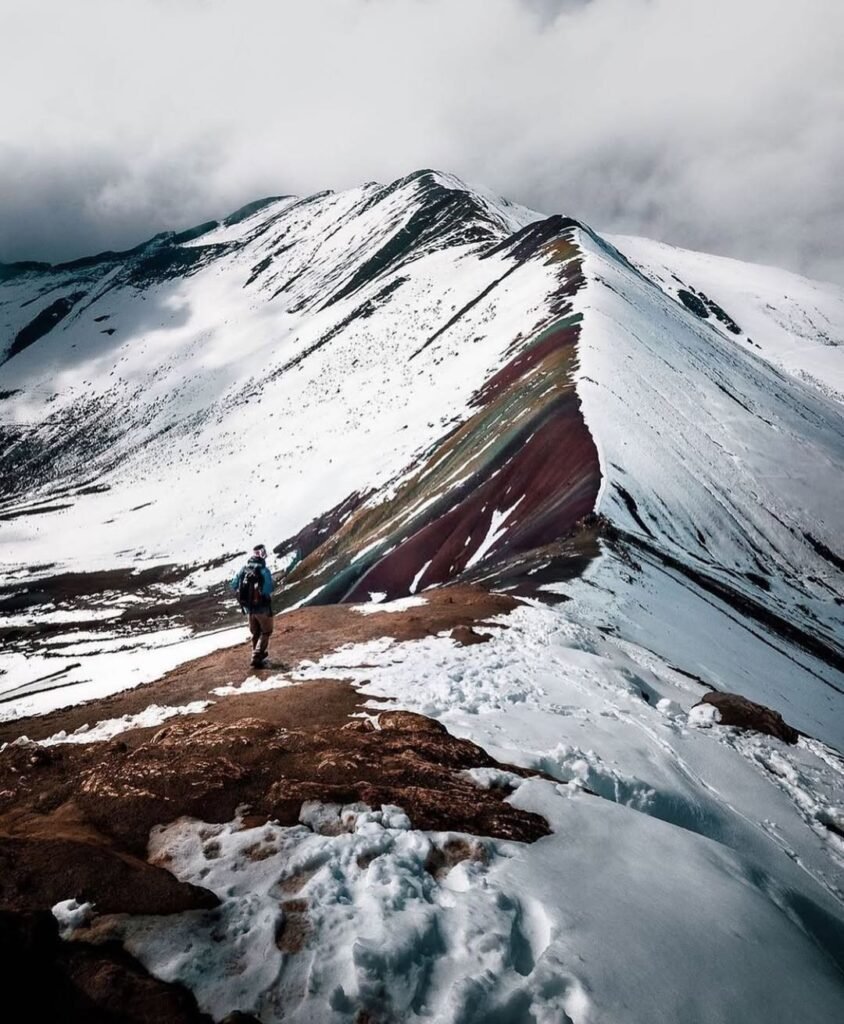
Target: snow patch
x=352, y=911
x=253, y=684
x=401, y=604
x=702, y=716
x=71, y=914
x=151, y=716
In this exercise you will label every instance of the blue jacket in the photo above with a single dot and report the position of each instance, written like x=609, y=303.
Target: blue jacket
x=266, y=582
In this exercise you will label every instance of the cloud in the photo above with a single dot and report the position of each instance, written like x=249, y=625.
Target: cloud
x=716, y=126
x=548, y=10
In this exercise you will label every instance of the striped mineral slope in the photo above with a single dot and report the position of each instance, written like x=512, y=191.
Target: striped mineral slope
x=501, y=496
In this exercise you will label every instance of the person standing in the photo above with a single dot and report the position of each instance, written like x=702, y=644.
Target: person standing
x=254, y=587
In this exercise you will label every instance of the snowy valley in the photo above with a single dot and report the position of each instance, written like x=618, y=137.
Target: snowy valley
x=560, y=513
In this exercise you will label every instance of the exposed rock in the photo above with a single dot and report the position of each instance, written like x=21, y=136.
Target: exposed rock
x=747, y=714
x=48, y=980
x=466, y=636
x=409, y=721
x=43, y=323
x=525, y=435
x=37, y=873
x=693, y=303
x=206, y=769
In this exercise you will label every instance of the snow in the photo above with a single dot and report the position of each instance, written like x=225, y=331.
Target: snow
x=722, y=463
x=86, y=670
x=656, y=609
x=704, y=715
x=416, y=579
x=108, y=728
x=401, y=604
x=546, y=693
x=686, y=865
x=795, y=323
x=252, y=685
x=497, y=528
x=71, y=915
x=379, y=928
x=50, y=616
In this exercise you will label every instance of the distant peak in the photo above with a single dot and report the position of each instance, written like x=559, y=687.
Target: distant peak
x=246, y=211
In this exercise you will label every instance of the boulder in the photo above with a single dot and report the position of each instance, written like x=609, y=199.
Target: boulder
x=747, y=714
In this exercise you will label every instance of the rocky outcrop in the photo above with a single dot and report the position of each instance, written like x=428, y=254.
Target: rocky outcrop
x=206, y=768
x=747, y=714
x=39, y=872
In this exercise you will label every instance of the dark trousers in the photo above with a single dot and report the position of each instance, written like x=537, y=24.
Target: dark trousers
x=260, y=628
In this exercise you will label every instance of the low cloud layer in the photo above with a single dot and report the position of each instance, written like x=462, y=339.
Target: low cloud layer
x=717, y=126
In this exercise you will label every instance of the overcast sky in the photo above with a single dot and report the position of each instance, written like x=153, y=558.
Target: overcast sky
x=714, y=124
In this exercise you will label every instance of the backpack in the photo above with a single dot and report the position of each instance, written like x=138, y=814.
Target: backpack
x=250, y=592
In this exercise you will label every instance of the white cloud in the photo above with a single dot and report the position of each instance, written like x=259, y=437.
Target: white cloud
x=714, y=125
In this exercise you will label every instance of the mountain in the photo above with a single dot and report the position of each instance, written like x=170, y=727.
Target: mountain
x=416, y=383
x=414, y=393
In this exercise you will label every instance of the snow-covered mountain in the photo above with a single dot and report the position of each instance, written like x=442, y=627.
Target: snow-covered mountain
x=413, y=385
x=418, y=382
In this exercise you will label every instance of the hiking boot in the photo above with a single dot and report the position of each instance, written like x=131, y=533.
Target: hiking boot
x=259, y=660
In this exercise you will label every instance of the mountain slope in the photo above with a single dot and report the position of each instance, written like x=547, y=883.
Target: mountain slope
x=181, y=353
x=722, y=474
x=786, y=318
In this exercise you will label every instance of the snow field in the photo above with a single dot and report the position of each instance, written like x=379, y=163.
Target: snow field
x=550, y=693
x=795, y=323
x=691, y=874
x=732, y=827
x=717, y=476
x=722, y=462
x=353, y=909
x=656, y=609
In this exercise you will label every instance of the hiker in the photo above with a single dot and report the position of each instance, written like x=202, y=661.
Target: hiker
x=254, y=586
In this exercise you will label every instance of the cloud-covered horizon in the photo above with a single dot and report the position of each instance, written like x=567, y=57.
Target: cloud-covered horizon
x=715, y=126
